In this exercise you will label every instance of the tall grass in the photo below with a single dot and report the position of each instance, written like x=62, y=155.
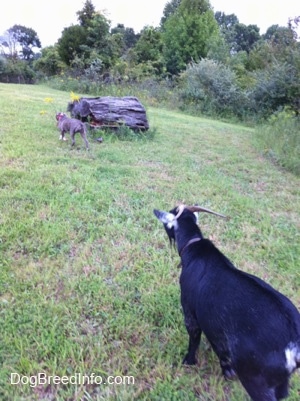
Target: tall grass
x=279, y=139
x=152, y=91
x=88, y=282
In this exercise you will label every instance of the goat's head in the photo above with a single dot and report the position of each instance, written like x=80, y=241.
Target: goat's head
x=172, y=219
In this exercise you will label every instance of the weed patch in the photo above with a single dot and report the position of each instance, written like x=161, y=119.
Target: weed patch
x=279, y=140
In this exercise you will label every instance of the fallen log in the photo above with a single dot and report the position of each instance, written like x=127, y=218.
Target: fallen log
x=111, y=112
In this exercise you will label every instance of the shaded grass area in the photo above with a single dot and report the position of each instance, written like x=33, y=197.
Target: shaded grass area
x=88, y=283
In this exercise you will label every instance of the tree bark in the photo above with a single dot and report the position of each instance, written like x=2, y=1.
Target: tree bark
x=112, y=112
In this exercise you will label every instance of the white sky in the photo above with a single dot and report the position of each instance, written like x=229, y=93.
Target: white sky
x=48, y=18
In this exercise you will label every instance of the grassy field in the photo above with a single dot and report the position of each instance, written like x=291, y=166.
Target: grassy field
x=88, y=283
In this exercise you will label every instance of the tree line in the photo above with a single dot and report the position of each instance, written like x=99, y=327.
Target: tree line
x=217, y=64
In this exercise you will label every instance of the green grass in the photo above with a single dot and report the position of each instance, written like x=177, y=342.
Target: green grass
x=88, y=283
x=279, y=140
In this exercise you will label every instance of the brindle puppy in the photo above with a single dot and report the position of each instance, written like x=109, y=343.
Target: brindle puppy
x=71, y=125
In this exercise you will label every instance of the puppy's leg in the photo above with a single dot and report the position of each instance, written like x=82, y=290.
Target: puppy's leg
x=62, y=136
x=72, y=135
x=83, y=136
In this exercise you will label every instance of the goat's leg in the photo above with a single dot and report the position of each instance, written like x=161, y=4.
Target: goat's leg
x=194, y=340
x=225, y=363
x=227, y=370
x=282, y=390
x=258, y=389
x=223, y=354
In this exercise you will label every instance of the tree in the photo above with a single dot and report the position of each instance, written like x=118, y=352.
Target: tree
x=218, y=49
x=20, y=41
x=281, y=39
x=16, y=71
x=240, y=37
x=50, y=62
x=169, y=9
x=278, y=86
x=149, y=46
x=278, y=44
x=245, y=37
x=98, y=32
x=71, y=43
x=148, y=50
x=187, y=33
x=98, y=38
x=128, y=36
x=115, y=48
x=227, y=24
x=9, y=46
x=86, y=15
x=275, y=65
x=260, y=56
x=293, y=24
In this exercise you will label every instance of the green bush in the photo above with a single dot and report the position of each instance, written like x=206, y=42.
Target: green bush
x=16, y=71
x=212, y=88
x=276, y=87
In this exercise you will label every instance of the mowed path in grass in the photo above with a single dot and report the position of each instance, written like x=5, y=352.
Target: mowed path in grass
x=87, y=280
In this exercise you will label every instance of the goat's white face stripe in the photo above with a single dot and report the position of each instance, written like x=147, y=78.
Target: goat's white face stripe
x=167, y=218
x=171, y=221
x=173, y=224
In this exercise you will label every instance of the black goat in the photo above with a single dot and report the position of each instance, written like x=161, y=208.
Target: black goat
x=253, y=329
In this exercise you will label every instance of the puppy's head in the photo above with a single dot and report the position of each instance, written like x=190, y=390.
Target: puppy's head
x=59, y=116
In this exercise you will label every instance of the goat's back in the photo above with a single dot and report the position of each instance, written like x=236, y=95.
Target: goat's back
x=236, y=307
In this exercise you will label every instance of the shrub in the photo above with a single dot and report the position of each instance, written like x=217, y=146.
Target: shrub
x=213, y=88
x=276, y=87
x=16, y=71
x=49, y=64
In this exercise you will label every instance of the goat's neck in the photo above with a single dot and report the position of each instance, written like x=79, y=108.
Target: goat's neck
x=186, y=237
x=190, y=242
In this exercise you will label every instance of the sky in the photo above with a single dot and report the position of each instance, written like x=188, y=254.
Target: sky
x=49, y=19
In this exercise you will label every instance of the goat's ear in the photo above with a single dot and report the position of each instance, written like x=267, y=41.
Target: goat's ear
x=165, y=217
x=197, y=217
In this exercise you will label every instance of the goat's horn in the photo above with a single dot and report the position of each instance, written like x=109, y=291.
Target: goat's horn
x=179, y=210
x=203, y=209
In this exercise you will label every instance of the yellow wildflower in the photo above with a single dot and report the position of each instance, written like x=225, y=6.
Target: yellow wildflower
x=74, y=98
